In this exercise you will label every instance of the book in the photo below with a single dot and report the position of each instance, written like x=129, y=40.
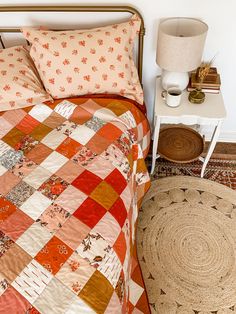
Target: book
x=205, y=90
x=210, y=83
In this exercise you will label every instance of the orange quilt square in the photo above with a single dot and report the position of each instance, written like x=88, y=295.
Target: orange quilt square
x=120, y=247
x=53, y=255
x=7, y=181
x=110, y=132
x=27, y=124
x=80, y=115
x=86, y=182
x=104, y=194
x=6, y=209
x=118, y=211
x=98, y=144
x=68, y=147
x=39, y=153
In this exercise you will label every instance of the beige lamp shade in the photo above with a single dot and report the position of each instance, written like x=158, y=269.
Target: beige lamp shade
x=180, y=44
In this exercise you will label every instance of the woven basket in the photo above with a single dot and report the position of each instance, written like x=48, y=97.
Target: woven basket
x=180, y=144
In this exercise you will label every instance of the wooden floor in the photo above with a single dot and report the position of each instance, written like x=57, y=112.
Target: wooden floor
x=223, y=150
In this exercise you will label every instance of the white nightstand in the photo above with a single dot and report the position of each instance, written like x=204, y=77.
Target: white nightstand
x=211, y=112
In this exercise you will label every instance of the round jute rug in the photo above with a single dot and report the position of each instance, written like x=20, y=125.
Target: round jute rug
x=187, y=246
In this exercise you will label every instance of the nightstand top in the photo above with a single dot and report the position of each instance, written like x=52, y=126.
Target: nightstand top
x=212, y=108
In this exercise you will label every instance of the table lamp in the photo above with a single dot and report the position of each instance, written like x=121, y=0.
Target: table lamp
x=179, y=49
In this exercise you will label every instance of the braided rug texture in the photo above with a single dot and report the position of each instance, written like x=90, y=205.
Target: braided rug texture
x=187, y=246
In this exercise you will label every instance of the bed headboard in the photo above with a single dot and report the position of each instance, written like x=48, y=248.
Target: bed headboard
x=78, y=8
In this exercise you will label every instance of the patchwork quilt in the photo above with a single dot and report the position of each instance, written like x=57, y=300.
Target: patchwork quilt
x=72, y=180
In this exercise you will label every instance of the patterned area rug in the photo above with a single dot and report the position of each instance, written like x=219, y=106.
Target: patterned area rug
x=218, y=170
x=187, y=246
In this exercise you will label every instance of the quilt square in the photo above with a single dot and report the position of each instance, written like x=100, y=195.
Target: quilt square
x=84, y=156
x=37, y=177
x=6, y=209
x=39, y=153
x=70, y=198
x=95, y=123
x=20, y=221
x=35, y=205
x=98, y=144
x=20, y=193
x=104, y=194
x=82, y=134
x=23, y=167
x=9, y=268
x=26, y=144
x=27, y=124
x=86, y=182
x=34, y=239
x=90, y=212
x=116, y=180
x=120, y=247
x=80, y=115
x=110, y=132
x=79, y=306
x=54, y=254
x=40, y=112
x=69, y=171
x=14, y=116
x=119, y=211
x=53, y=218
x=53, y=139
x=5, y=243
x=54, y=161
x=40, y=132
x=68, y=147
x=100, y=166
x=53, y=187
x=73, y=232
x=54, y=120
x=13, y=137
x=93, y=295
x=10, y=158
x=55, y=298
x=7, y=182
x=31, y=282
x=75, y=273
x=5, y=127
x=65, y=108
x=12, y=300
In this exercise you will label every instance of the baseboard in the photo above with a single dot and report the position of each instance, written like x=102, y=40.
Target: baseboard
x=225, y=136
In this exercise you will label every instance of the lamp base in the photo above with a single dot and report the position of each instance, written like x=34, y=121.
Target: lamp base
x=174, y=79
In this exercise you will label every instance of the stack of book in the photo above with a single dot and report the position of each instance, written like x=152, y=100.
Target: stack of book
x=211, y=83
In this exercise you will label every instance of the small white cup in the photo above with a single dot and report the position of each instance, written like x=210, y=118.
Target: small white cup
x=172, y=96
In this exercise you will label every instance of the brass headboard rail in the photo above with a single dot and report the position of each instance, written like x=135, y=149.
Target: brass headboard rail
x=80, y=8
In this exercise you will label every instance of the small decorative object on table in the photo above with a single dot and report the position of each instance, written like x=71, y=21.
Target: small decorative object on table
x=197, y=96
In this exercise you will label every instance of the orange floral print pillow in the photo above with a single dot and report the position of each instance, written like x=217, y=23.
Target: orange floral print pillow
x=79, y=62
x=20, y=85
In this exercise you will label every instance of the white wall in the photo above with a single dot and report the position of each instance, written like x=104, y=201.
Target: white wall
x=221, y=40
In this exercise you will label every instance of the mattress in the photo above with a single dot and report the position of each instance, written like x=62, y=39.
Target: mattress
x=72, y=180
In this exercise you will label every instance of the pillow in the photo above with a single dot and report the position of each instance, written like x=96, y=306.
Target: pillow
x=20, y=85
x=79, y=62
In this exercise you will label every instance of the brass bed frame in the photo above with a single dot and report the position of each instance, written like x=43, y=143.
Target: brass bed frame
x=79, y=8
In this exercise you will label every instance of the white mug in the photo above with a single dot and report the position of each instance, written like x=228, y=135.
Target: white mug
x=172, y=96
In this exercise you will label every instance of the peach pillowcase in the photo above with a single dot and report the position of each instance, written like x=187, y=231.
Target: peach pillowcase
x=20, y=85
x=99, y=60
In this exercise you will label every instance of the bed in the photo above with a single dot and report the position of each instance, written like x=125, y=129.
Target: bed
x=73, y=177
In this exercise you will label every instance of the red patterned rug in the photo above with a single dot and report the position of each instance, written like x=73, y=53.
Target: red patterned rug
x=218, y=170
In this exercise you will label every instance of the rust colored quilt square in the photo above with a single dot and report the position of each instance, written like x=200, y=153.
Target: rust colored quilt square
x=27, y=124
x=39, y=153
x=13, y=302
x=120, y=247
x=9, y=268
x=86, y=182
x=7, y=181
x=80, y=115
x=6, y=209
x=110, y=132
x=116, y=180
x=13, y=137
x=97, y=292
x=16, y=224
x=68, y=147
x=53, y=255
x=104, y=194
x=119, y=212
x=90, y=212
x=98, y=144
x=40, y=132
x=54, y=120
x=53, y=187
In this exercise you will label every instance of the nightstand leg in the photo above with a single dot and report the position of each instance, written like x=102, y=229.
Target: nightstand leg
x=155, y=143
x=211, y=148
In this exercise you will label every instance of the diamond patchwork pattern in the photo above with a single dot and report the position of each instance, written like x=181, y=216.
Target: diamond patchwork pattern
x=72, y=174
